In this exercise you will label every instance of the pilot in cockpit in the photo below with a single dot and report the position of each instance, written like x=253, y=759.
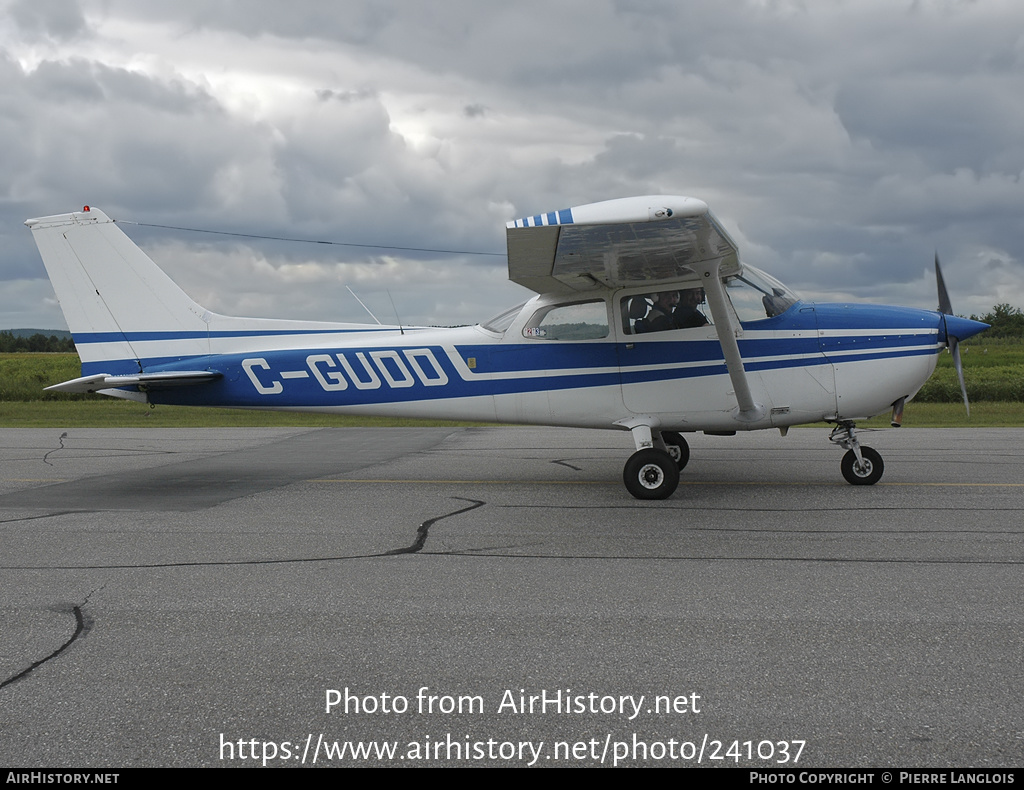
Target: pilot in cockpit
x=687, y=314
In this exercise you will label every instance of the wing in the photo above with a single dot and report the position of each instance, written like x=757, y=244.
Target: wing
x=630, y=241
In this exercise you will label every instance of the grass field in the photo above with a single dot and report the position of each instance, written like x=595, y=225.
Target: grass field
x=994, y=373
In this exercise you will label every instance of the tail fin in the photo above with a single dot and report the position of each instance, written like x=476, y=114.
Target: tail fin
x=115, y=299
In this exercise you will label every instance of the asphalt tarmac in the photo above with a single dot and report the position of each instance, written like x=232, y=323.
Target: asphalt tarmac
x=493, y=596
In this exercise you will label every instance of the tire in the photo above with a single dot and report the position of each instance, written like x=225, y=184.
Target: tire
x=677, y=448
x=651, y=474
x=870, y=474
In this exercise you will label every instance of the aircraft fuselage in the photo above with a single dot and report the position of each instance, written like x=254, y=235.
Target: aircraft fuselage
x=814, y=362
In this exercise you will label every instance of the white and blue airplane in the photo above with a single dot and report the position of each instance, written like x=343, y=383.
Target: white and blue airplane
x=645, y=320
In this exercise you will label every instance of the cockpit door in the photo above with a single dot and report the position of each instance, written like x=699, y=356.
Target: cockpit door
x=665, y=365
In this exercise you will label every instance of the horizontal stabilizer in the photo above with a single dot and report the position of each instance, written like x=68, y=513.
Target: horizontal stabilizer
x=144, y=381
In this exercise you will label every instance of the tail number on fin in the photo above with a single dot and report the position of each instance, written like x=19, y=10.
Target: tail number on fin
x=363, y=370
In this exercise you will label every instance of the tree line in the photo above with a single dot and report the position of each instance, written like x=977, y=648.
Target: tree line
x=11, y=343
x=1005, y=321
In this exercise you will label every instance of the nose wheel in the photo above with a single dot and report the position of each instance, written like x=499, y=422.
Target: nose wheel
x=867, y=472
x=861, y=466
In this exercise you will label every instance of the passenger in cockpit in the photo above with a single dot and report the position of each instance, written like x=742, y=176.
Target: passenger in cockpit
x=660, y=317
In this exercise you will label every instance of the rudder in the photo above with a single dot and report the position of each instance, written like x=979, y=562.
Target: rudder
x=120, y=306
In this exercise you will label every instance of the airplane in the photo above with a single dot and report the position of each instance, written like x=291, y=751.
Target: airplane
x=644, y=320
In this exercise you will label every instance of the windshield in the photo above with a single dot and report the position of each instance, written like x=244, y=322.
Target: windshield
x=503, y=320
x=757, y=296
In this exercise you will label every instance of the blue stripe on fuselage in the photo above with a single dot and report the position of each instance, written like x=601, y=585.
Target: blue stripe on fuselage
x=289, y=378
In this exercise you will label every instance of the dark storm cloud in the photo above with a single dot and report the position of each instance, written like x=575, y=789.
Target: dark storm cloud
x=83, y=132
x=841, y=142
x=89, y=82
x=57, y=19
x=945, y=123
x=120, y=137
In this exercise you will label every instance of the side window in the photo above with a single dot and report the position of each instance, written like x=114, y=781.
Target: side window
x=580, y=321
x=663, y=311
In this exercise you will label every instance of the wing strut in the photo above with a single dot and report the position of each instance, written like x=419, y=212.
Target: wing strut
x=749, y=411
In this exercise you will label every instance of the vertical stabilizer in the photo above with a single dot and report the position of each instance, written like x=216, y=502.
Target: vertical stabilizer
x=120, y=307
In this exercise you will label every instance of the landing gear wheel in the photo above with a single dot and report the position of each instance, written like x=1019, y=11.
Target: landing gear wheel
x=869, y=473
x=651, y=474
x=677, y=448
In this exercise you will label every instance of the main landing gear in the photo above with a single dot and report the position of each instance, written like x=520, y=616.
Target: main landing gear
x=862, y=466
x=652, y=472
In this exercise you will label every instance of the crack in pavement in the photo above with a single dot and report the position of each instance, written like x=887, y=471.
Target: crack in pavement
x=422, y=533
x=81, y=626
x=424, y=529
x=61, y=439
x=79, y=630
x=44, y=515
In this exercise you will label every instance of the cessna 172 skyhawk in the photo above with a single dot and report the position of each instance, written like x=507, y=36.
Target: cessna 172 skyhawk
x=645, y=320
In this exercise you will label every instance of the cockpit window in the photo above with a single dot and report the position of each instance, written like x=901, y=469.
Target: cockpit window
x=580, y=321
x=756, y=296
x=679, y=308
x=503, y=320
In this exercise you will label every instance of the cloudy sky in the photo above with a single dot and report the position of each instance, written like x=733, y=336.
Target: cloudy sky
x=841, y=143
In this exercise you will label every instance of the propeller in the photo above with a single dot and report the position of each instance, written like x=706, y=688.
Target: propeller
x=957, y=329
